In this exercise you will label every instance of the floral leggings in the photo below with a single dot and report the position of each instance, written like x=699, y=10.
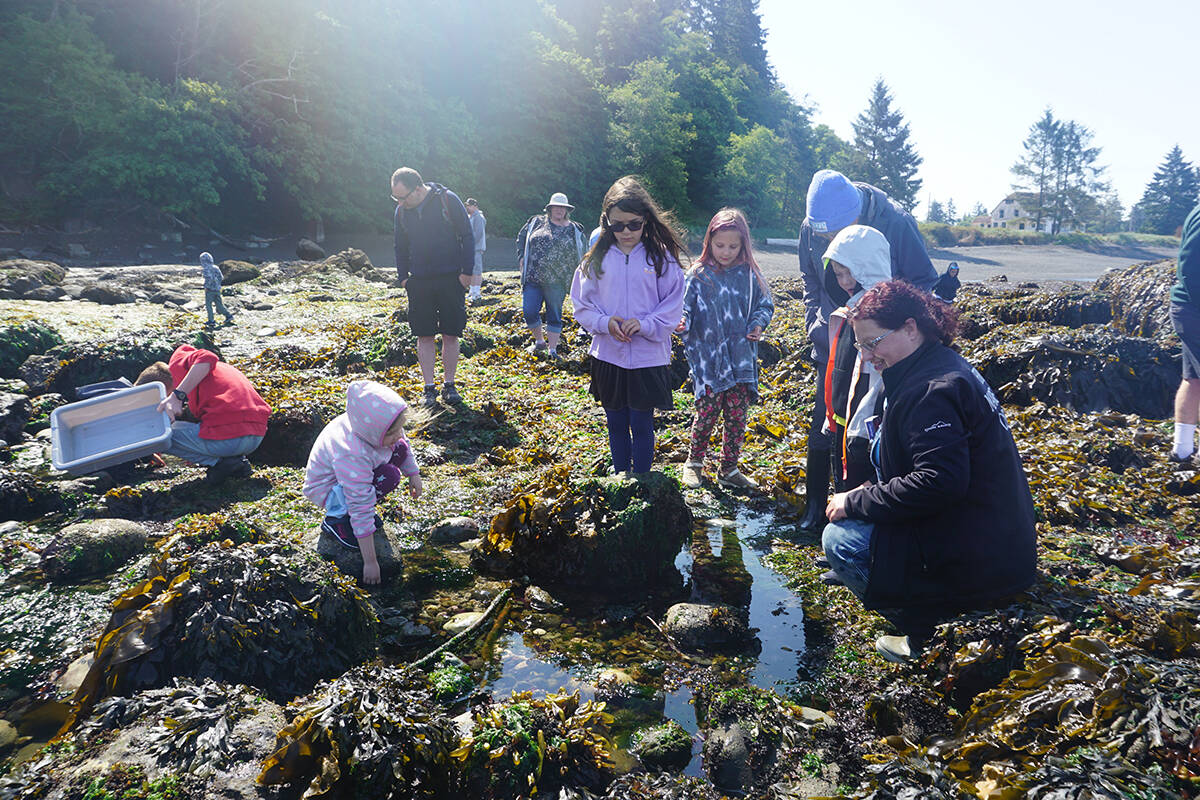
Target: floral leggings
x=735, y=403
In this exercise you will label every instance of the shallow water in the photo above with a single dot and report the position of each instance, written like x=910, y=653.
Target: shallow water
x=722, y=564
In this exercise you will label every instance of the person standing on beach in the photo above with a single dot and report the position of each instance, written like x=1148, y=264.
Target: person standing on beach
x=212, y=289
x=479, y=230
x=434, y=255
x=835, y=203
x=1185, y=319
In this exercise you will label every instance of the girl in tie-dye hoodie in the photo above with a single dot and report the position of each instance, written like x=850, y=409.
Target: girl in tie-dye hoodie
x=358, y=460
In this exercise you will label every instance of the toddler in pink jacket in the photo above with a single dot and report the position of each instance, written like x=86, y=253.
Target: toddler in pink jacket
x=357, y=461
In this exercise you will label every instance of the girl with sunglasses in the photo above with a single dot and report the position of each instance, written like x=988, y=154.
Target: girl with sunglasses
x=628, y=294
x=947, y=524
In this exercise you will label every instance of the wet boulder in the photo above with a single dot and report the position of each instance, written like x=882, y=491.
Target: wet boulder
x=727, y=758
x=604, y=534
x=454, y=530
x=21, y=340
x=1087, y=369
x=349, y=560
x=700, y=627
x=89, y=548
x=106, y=294
x=15, y=411
x=667, y=746
x=20, y=276
x=351, y=261
x=308, y=250
x=237, y=272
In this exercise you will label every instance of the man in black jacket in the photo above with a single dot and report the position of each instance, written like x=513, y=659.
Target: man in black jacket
x=833, y=203
x=434, y=262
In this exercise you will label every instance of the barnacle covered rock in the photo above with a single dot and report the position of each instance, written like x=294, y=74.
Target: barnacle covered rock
x=21, y=340
x=607, y=534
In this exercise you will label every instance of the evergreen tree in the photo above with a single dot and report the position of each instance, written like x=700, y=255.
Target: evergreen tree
x=977, y=210
x=952, y=213
x=1058, y=173
x=1035, y=169
x=889, y=158
x=936, y=212
x=1170, y=195
x=1111, y=214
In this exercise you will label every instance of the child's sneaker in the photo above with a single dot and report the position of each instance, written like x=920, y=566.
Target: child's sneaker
x=339, y=528
x=228, y=320
x=691, y=475
x=736, y=480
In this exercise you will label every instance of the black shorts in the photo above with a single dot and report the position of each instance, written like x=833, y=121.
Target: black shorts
x=1186, y=322
x=436, y=304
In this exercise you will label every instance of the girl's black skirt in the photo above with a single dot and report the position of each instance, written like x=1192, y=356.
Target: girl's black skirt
x=645, y=388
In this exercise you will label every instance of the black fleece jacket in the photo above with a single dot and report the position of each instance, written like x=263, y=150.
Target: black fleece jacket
x=954, y=519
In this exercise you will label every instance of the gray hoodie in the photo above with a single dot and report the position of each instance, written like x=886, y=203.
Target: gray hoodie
x=866, y=253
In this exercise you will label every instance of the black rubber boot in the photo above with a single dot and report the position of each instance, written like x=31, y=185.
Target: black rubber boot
x=816, y=490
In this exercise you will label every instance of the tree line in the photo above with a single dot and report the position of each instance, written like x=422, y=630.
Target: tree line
x=280, y=113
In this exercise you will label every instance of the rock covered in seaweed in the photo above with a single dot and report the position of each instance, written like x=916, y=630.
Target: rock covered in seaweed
x=607, y=534
x=374, y=732
x=705, y=628
x=20, y=340
x=1086, y=369
x=259, y=614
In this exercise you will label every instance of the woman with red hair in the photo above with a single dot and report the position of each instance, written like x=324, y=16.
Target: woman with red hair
x=948, y=524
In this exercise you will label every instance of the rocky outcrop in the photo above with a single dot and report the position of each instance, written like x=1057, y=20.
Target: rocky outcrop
x=19, y=277
x=608, y=534
x=64, y=367
x=21, y=340
x=23, y=497
x=1085, y=369
x=91, y=548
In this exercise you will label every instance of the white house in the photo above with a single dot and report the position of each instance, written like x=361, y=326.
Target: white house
x=1010, y=214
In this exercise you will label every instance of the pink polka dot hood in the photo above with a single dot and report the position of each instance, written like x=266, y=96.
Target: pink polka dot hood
x=351, y=447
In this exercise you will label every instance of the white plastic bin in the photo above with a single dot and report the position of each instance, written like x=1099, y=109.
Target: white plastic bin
x=109, y=429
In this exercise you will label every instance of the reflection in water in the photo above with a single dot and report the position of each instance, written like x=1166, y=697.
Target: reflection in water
x=722, y=564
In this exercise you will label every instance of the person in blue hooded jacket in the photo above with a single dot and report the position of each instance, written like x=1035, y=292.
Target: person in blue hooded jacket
x=834, y=203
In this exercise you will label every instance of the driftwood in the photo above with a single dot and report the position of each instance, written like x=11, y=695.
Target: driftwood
x=218, y=235
x=469, y=633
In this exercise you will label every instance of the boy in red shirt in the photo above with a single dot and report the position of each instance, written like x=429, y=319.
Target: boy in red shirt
x=233, y=417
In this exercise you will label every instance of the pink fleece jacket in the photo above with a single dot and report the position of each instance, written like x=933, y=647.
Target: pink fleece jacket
x=351, y=447
x=628, y=287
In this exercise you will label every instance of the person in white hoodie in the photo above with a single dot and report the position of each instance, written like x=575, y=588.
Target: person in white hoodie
x=858, y=258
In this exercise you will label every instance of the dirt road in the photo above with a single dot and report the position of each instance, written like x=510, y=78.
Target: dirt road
x=1017, y=262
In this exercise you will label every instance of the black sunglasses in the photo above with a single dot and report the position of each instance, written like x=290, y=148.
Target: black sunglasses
x=403, y=197
x=634, y=225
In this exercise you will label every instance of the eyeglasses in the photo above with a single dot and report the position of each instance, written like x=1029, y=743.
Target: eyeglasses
x=405, y=197
x=634, y=225
x=869, y=346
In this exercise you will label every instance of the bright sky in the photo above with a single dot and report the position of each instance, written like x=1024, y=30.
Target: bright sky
x=971, y=78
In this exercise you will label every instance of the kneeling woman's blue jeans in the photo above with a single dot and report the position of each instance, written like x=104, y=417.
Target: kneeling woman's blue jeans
x=847, y=545
x=533, y=296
